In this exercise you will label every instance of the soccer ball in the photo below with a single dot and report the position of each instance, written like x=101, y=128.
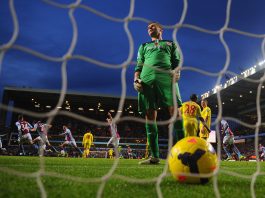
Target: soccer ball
x=192, y=155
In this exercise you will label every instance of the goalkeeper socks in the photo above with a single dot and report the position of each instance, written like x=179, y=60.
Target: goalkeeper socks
x=178, y=131
x=152, y=138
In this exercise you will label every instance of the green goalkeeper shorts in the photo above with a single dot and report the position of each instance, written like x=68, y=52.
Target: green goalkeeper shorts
x=157, y=92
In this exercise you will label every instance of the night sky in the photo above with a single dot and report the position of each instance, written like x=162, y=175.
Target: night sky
x=48, y=30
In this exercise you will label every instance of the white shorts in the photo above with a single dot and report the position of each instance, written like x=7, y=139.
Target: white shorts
x=70, y=143
x=43, y=139
x=228, y=140
x=25, y=137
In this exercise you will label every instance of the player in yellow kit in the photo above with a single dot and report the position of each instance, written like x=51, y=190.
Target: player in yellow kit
x=87, y=142
x=111, y=151
x=207, y=115
x=191, y=111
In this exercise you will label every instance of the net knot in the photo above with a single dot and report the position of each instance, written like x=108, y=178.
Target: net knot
x=67, y=57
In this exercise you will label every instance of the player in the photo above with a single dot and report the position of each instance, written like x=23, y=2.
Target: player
x=24, y=135
x=115, y=137
x=262, y=152
x=206, y=115
x=191, y=112
x=111, y=151
x=153, y=79
x=42, y=130
x=229, y=141
x=69, y=140
x=120, y=152
x=87, y=142
x=1, y=145
x=129, y=151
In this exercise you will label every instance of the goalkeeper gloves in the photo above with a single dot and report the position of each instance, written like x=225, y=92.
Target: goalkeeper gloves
x=138, y=85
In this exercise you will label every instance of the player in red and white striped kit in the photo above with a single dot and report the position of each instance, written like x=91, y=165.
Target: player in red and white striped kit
x=42, y=130
x=115, y=136
x=69, y=139
x=229, y=141
x=24, y=135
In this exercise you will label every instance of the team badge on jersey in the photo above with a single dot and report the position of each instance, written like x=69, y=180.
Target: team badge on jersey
x=169, y=43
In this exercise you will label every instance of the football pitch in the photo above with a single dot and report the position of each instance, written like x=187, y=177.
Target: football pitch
x=77, y=177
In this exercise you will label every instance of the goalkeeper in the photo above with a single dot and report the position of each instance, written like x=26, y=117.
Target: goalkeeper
x=87, y=142
x=154, y=79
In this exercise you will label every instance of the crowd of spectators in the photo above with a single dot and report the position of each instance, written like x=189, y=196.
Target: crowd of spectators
x=131, y=132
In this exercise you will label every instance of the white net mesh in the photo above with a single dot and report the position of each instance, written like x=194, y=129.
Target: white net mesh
x=70, y=55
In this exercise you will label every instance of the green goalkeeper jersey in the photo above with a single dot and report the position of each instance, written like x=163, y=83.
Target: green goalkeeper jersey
x=156, y=56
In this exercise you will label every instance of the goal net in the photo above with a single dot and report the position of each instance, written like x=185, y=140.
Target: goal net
x=86, y=46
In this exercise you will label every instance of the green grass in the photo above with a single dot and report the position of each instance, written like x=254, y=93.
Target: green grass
x=84, y=170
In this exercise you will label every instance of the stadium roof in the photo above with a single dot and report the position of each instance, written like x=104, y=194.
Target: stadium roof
x=43, y=99
x=239, y=95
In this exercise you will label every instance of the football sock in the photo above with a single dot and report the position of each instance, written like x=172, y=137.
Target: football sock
x=235, y=149
x=226, y=151
x=178, y=131
x=152, y=138
x=21, y=149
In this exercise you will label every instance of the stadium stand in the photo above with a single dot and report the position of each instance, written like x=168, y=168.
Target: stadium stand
x=239, y=96
x=132, y=133
x=92, y=106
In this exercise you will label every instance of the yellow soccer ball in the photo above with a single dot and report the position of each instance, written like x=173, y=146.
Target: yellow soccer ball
x=192, y=155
